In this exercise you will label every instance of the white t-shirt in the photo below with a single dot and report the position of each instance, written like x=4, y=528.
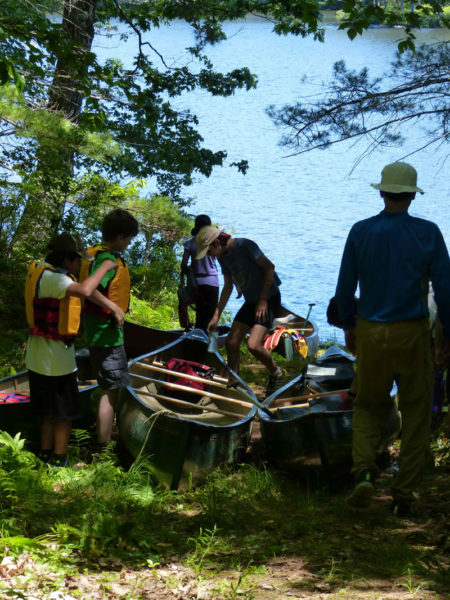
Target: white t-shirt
x=46, y=356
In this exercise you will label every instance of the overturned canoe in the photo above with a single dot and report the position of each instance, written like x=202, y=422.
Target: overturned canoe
x=185, y=432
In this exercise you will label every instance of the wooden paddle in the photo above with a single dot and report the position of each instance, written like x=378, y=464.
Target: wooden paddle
x=236, y=386
x=184, y=375
x=161, y=364
x=304, y=405
x=185, y=388
x=307, y=396
x=227, y=413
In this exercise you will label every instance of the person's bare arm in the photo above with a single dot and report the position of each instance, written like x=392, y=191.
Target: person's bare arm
x=86, y=287
x=224, y=297
x=184, y=263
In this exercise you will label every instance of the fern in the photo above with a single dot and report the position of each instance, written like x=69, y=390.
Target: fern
x=8, y=493
x=12, y=452
x=17, y=544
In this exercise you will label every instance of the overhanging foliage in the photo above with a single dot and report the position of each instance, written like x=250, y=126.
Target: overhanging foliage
x=354, y=105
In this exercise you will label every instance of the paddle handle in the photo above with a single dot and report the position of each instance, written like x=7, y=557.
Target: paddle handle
x=308, y=396
x=304, y=405
x=307, y=316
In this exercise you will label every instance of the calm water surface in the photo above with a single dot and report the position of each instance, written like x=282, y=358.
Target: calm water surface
x=299, y=209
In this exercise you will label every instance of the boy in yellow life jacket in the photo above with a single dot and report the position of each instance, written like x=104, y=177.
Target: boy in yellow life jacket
x=103, y=336
x=52, y=301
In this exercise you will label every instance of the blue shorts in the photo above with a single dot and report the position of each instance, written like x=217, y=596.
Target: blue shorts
x=110, y=366
x=246, y=314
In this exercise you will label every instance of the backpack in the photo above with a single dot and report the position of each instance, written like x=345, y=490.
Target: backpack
x=187, y=293
x=180, y=366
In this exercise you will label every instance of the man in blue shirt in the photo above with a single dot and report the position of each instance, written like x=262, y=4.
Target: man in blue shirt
x=393, y=256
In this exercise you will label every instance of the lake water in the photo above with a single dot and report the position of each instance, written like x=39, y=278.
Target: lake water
x=298, y=209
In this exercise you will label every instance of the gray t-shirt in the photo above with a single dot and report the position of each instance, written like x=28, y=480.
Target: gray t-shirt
x=240, y=263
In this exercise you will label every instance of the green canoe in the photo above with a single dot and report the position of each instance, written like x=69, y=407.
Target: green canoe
x=184, y=439
x=312, y=434
x=17, y=414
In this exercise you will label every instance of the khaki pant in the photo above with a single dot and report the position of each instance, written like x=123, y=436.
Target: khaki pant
x=388, y=352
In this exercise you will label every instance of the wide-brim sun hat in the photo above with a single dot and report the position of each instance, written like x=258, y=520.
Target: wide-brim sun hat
x=397, y=178
x=200, y=221
x=204, y=238
x=65, y=242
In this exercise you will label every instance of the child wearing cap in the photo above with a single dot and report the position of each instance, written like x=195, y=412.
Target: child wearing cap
x=103, y=336
x=392, y=256
x=52, y=301
x=205, y=272
x=244, y=264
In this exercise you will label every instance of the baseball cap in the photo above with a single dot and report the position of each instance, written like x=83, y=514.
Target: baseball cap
x=66, y=242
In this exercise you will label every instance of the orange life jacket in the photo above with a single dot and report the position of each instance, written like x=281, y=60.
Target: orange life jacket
x=53, y=318
x=118, y=288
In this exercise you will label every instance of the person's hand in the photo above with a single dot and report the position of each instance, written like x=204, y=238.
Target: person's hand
x=212, y=325
x=119, y=315
x=261, y=311
x=350, y=340
x=109, y=265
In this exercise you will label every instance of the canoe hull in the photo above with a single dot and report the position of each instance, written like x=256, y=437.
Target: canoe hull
x=21, y=417
x=180, y=453
x=318, y=437
x=181, y=448
x=140, y=340
x=310, y=442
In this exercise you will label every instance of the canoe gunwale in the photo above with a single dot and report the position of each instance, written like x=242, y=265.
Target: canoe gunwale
x=182, y=449
x=200, y=336
x=169, y=414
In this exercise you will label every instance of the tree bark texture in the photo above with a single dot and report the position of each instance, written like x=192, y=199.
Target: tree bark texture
x=44, y=208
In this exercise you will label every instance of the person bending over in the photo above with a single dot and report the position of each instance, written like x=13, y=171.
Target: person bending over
x=243, y=262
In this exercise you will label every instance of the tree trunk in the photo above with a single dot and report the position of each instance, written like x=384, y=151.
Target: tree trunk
x=44, y=208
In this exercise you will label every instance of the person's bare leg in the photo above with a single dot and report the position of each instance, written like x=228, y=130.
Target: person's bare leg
x=61, y=432
x=47, y=435
x=233, y=344
x=105, y=415
x=256, y=347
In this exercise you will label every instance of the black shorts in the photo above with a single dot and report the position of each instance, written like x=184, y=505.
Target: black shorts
x=110, y=366
x=246, y=314
x=55, y=398
x=205, y=305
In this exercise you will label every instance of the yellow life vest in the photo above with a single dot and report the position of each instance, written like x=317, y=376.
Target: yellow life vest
x=118, y=288
x=272, y=340
x=53, y=318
